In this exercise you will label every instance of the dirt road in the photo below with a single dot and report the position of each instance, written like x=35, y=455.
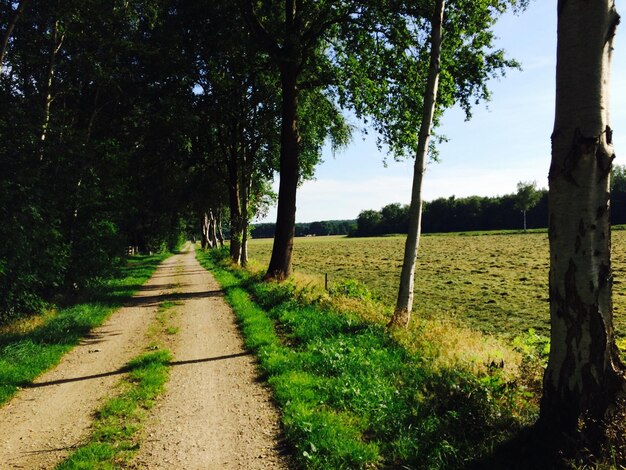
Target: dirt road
x=215, y=414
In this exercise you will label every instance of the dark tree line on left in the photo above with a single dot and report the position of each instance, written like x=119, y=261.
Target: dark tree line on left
x=129, y=122
x=123, y=123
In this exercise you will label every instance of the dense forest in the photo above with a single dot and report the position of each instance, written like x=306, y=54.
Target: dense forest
x=304, y=229
x=139, y=123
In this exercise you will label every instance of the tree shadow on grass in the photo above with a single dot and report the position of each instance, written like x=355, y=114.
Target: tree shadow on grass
x=532, y=448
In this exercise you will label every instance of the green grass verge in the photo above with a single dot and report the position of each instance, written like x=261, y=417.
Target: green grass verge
x=352, y=397
x=25, y=355
x=113, y=441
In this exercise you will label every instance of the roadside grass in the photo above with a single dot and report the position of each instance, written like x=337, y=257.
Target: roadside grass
x=352, y=396
x=494, y=283
x=113, y=441
x=29, y=347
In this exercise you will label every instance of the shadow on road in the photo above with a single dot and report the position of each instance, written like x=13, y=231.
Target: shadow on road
x=125, y=369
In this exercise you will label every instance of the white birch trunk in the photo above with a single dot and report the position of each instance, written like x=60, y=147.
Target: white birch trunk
x=404, y=305
x=212, y=230
x=584, y=373
x=218, y=223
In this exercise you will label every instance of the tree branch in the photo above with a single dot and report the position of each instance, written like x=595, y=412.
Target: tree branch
x=267, y=41
x=9, y=31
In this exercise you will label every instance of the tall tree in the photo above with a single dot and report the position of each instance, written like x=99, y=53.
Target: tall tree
x=401, y=315
x=460, y=49
x=6, y=34
x=584, y=376
x=292, y=33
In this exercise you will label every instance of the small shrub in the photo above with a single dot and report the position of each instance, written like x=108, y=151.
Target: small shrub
x=353, y=289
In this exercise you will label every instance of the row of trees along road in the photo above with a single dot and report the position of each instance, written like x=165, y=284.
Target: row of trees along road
x=131, y=121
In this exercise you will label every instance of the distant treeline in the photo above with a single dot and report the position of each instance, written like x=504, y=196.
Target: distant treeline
x=327, y=227
x=474, y=213
x=451, y=214
x=455, y=215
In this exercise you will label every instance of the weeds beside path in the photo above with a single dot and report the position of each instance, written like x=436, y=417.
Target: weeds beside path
x=30, y=346
x=352, y=397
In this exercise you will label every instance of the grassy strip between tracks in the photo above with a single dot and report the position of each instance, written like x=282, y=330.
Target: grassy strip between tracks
x=114, y=432
x=351, y=396
x=32, y=345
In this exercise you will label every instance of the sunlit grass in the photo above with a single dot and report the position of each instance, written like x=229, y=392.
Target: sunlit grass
x=28, y=347
x=494, y=283
x=353, y=396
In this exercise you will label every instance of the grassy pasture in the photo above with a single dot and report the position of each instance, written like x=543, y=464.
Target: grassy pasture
x=496, y=283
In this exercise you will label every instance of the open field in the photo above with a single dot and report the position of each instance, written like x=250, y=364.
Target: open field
x=495, y=283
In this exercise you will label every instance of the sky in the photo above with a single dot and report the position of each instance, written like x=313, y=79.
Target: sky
x=506, y=141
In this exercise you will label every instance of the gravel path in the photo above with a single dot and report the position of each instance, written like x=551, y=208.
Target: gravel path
x=215, y=413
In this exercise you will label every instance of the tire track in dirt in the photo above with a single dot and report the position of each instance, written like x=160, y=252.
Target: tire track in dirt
x=215, y=413
x=45, y=421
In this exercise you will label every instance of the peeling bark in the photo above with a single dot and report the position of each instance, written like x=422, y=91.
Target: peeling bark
x=585, y=376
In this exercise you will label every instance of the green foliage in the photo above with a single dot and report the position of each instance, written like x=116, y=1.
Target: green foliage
x=383, y=71
x=353, y=289
x=473, y=213
x=527, y=195
x=26, y=354
x=92, y=156
x=351, y=397
x=533, y=346
x=303, y=229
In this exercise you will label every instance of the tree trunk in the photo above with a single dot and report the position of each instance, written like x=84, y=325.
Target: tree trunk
x=584, y=376
x=246, y=184
x=218, y=223
x=9, y=31
x=524, y=212
x=404, y=304
x=244, y=228
x=235, y=207
x=212, y=230
x=244, y=245
x=55, y=46
x=280, y=262
x=204, y=229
